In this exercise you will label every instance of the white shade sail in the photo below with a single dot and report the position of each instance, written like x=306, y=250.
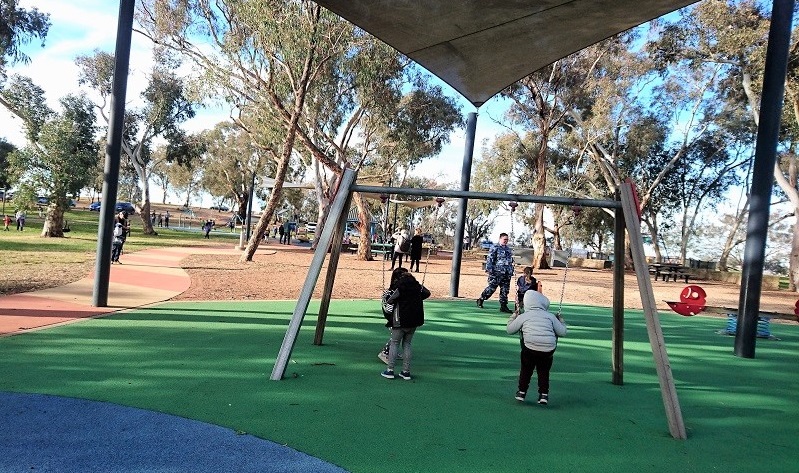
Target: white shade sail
x=479, y=47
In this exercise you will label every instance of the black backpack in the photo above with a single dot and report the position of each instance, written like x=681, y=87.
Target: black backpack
x=405, y=246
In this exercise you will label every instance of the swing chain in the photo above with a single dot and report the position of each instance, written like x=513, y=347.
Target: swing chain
x=563, y=286
x=576, y=209
x=439, y=201
x=384, y=199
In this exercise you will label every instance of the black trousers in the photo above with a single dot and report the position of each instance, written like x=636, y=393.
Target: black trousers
x=540, y=361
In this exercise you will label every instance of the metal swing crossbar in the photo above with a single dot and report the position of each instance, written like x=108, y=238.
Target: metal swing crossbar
x=458, y=194
x=627, y=216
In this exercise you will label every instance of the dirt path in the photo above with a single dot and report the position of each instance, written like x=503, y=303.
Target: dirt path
x=280, y=276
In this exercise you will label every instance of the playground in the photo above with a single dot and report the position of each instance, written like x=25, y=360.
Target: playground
x=185, y=385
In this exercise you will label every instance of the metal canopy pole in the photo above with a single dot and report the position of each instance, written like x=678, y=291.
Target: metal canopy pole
x=763, y=177
x=102, y=267
x=617, y=337
x=466, y=177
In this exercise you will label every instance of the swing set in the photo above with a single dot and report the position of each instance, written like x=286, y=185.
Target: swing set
x=626, y=215
x=439, y=201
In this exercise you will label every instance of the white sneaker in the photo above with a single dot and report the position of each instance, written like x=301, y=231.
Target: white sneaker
x=383, y=357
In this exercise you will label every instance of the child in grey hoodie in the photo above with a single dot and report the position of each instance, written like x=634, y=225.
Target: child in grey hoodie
x=540, y=331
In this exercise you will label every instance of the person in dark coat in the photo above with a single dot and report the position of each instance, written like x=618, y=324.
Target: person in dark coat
x=408, y=314
x=416, y=248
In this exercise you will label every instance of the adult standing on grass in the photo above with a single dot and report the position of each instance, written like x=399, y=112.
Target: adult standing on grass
x=408, y=314
x=540, y=331
x=122, y=217
x=499, y=267
x=20, y=216
x=166, y=219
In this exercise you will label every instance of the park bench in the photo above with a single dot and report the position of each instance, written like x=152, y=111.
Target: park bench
x=668, y=271
x=675, y=274
x=384, y=249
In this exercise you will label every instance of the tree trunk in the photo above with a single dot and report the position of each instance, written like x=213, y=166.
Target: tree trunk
x=793, y=263
x=539, y=237
x=274, y=198
x=147, y=223
x=364, y=226
x=53, y=222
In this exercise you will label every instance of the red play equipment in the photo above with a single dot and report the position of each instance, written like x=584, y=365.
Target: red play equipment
x=693, y=301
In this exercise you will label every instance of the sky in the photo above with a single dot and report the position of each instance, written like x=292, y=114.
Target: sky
x=80, y=27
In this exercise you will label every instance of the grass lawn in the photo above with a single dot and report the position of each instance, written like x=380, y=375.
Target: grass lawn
x=30, y=262
x=211, y=361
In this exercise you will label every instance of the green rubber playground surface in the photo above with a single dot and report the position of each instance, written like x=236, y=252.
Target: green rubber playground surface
x=212, y=361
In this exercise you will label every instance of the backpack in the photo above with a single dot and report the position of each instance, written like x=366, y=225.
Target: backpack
x=405, y=246
x=118, y=231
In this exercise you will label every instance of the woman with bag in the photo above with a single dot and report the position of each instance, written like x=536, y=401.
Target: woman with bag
x=408, y=314
x=402, y=246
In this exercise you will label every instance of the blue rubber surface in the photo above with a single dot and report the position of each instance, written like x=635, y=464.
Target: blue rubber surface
x=55, y=434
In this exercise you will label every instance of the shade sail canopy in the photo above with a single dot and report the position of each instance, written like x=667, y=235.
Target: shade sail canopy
x=479, y=47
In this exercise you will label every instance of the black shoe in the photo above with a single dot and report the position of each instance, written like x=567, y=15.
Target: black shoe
x=480, y=303
x=520, y=395
x=543, y=398
x=504, y=308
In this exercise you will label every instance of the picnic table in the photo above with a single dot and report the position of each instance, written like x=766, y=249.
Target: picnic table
x=668, y=271
x=384, y=249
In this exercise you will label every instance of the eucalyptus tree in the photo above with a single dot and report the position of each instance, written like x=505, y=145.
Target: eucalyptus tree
x=544, y=103
x=18, y=26
x=289, y=63
x=6, y=149
x=59, y=161
x=372, y=112
x=26, y=100
x=232, y=163
x=160, y=174
x=732, y=36
x=165, y=107
x=260, y=56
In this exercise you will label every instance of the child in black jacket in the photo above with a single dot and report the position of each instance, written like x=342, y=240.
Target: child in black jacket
x=408, y=314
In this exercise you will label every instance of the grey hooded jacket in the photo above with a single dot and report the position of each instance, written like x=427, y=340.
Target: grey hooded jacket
x=539, y=327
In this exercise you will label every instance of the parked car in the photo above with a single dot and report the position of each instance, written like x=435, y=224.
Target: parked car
x=94, y=206
x=220, y=208
x=41, y=200
x=125, y=207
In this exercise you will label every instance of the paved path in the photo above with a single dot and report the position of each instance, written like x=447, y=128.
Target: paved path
x=144, y=277
x=52, y=433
